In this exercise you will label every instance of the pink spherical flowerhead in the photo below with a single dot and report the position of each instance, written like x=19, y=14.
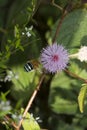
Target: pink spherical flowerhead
x=54, y=58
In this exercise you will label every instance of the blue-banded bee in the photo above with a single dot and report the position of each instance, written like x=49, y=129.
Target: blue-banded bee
x=31, y=65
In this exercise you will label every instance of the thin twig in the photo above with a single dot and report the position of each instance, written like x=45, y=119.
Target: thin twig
x=59, y=26
x=65, y=11
x=54, y=4
x=3, y=30
x=75, y=76
x=12, y=123
x=31, y=100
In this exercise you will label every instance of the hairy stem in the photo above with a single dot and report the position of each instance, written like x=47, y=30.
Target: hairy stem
x=31, y=100
x=75, y=76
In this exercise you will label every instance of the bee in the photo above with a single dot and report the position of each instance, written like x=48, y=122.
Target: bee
x=31, y=65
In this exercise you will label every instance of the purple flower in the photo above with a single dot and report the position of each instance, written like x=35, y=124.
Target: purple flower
x=54, y=58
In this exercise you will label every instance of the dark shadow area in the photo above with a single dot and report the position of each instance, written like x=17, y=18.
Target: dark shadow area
x=84, y=41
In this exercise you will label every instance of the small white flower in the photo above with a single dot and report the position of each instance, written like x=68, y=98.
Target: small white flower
x=5, y=106
x=10, y=72
x=8, y=78
x=1, y=80
x=82, y=54
x=27, y=31
x=16, y=76
x=38, y=119
x=23, y=33
x=28, y=34
x=17, y=117
x=31, y=27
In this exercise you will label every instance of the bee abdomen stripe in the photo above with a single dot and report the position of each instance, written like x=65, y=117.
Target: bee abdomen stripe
x=28, y=67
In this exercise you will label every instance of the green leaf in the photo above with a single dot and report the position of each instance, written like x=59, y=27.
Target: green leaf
x=24, y=82
x=62, y=98
x=29, y=123
x=4, y=108
x=77, y=122
x=81, y=97
x=7, y=48
x=78, y=68
x=3, y=95
x=24, y=85
x=21, y=48
x=3, y=113
x=63, y=88
x=17, y=43
x=19, y=13
x=73, y=32
x=65, y=126
x=16, y=31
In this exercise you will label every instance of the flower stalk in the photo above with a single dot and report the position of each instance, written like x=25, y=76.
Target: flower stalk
x=31, y=101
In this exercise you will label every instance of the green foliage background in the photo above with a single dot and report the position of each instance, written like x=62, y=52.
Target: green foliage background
x=57, y=101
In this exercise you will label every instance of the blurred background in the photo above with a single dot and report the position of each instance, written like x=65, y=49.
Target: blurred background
x=26, y=26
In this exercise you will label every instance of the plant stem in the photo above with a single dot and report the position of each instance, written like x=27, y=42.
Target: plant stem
x=59, y=26
x=12, y=123
x=54, y=4
x=73, y=55
x=65, y=12
x=75, y=76
x=31, y=100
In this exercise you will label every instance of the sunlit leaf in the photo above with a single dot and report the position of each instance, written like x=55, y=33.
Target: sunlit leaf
x=73, y=30
x=29, y=123
x=16, y=31
x=24, y=82
x=81, y=97
x=62, y=98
